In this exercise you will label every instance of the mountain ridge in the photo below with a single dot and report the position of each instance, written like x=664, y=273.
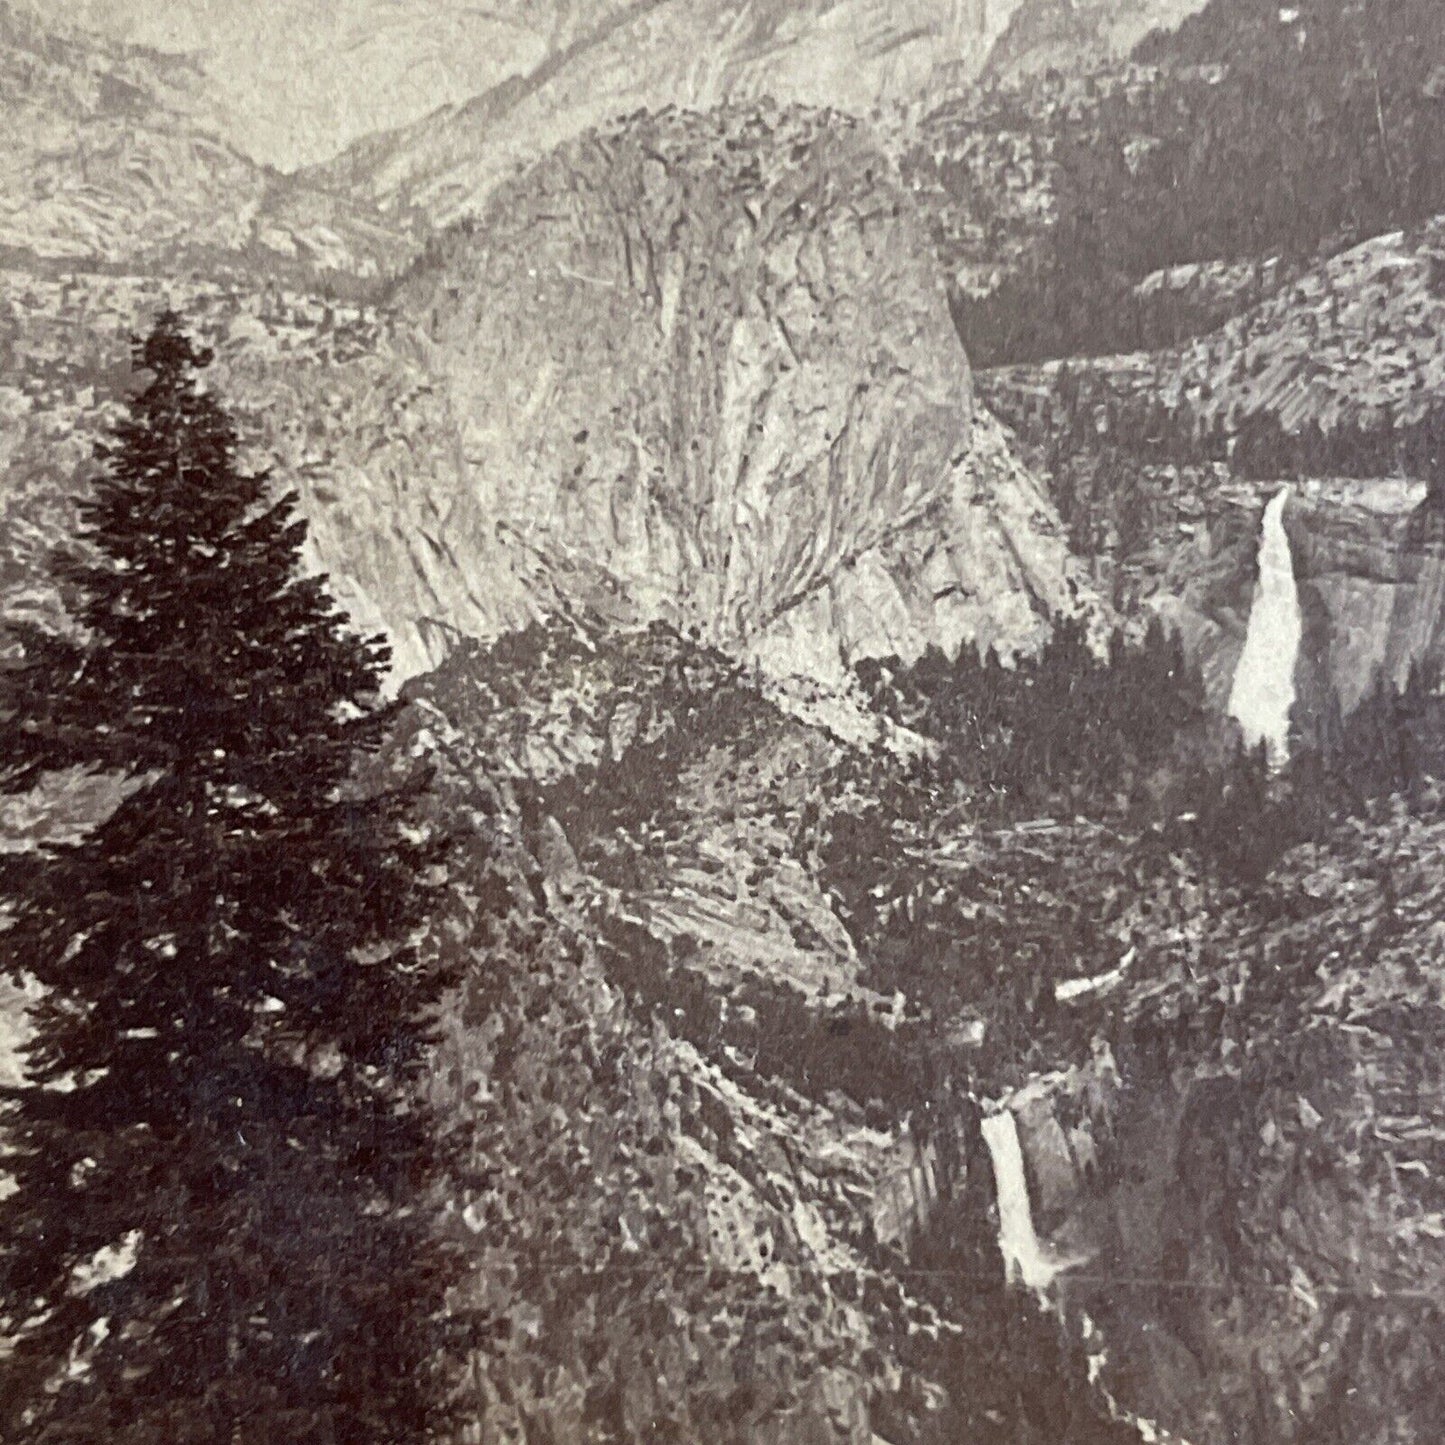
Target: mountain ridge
x=1078, y=34
x=576, y=406
x=651, y=54
x=120, y=158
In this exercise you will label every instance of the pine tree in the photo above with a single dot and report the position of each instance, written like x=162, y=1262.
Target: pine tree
x=223, y=1082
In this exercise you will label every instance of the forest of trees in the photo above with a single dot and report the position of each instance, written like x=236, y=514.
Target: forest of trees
x=1065, y=730
x=1126, y=737
x=1373, y=446
x=222, y=1220
x=1138, y=785
x=1256, y=137
x=235, y=1194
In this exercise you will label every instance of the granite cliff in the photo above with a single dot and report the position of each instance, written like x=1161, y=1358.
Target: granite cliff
x=1248, y=1162
x=708, y=360
x=695, y=369
x=1370, y=560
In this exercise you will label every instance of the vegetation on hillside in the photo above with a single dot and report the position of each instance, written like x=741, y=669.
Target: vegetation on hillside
x=704, y=1038
x=1255, y=132
x=1257, y=989
x=704, y=983
x=1064, y=731
x=1085, y=413
x=223, y=1219
x=1074, y=801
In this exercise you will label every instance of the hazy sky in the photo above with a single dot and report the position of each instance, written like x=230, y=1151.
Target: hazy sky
x=303, y=77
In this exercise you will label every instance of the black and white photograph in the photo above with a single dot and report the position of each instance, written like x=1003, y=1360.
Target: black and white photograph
x=722, y=722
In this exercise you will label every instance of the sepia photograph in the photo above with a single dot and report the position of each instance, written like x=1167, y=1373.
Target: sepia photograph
x=722, y=722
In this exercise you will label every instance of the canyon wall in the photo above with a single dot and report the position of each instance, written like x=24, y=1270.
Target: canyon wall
x=704, y=365
x=1370, y=560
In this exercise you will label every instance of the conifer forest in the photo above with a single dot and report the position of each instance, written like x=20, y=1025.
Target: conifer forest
x=722, y=722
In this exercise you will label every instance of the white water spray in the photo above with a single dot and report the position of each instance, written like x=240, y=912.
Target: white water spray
x=1032, y=1263
x=1263, y=691
x=1027, y=1260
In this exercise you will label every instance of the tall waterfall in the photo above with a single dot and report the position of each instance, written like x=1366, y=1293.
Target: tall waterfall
x=1034, y=1264
x=1263, y=690
x=1026, y=1258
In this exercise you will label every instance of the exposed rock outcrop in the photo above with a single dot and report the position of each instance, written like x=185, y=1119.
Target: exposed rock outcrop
x=698, y=370
x=708, y=362
x=1370, y=559
x=1255, y=1179
x=1074, y=34
x=645, y=55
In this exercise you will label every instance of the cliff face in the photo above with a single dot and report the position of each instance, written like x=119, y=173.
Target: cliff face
x=1252, y=1169
x=708, y=362
x=1370, y=560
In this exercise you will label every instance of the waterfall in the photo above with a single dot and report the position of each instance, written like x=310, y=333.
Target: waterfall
x=1035, y=1265
x=1263, y=690
x=1032, y=1263
x=1027, y=1260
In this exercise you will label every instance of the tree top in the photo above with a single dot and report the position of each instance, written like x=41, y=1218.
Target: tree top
x=168, y=351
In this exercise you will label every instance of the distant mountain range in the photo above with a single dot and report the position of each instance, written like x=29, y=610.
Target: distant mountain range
x=117, y=155
x=851, y=55
x=857, y=56
x=127, y=154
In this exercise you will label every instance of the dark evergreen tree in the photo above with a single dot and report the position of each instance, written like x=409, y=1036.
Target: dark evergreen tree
x=223, y=1083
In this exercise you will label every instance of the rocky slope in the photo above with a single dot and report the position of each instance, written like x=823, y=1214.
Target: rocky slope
x=713, y=1152
x=853, y=55
x=1223, y=1084
x=117, y=155
x=1075, y=34
x=1253, y=1170
x=1356, y=336
x=589, y=65
x=1346, y=354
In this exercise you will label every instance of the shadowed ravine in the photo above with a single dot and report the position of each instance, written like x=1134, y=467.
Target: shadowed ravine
x=1031, y=1263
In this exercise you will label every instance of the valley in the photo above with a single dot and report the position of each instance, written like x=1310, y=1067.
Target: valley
x=921, y=612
